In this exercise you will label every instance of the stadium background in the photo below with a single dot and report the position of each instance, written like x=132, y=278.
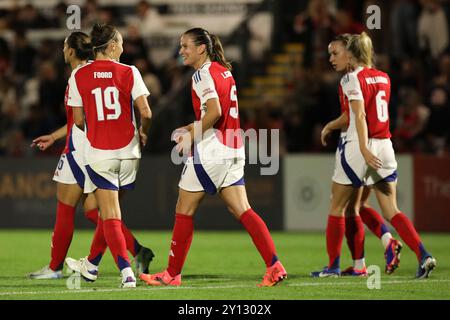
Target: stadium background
x=280, y=60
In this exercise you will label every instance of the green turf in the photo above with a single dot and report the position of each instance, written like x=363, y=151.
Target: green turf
x=222, y=265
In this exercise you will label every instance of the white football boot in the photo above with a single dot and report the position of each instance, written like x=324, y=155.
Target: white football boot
x=45, y=274
x=87, y=270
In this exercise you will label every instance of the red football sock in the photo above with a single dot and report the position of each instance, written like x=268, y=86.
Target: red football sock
x=112, y=229
x=408, y=233
x=374, y=221
x=335, y=235
x=260, y=235
x=62, y=235
x=183, y=231
x=354, y=232
x=98, y=245
x=133, y=245
x=92, y=215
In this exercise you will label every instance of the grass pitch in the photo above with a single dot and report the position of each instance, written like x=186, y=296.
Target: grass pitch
x=223, y=266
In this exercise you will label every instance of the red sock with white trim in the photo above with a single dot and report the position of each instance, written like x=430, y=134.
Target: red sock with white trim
x=260, y=235
x=183, y=231
x=62, y=235
x=335, y=236
x=115, y=239
x=98, y=245
x=409, y=235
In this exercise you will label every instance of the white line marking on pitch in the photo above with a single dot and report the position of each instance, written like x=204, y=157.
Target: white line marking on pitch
x=304, y=284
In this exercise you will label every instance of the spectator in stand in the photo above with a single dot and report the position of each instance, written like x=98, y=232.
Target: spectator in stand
x=437, y=131
x=403, y=29
x=28, y=17
x=433, y=28
x=346, y=24
x=149, y=19
x=443, y=75
x=314, y=28
x=411, y=121
x=23, y=54
x=133, y=45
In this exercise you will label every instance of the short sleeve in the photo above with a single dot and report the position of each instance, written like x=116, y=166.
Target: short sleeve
x=139, y=87
x=203, y=85
x=74, y=97
x=351, y=87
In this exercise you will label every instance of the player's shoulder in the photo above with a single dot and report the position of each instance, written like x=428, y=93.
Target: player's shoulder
x=351, y=76
x=80, y=68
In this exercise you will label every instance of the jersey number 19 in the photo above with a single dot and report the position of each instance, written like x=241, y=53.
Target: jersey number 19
x=111, y=99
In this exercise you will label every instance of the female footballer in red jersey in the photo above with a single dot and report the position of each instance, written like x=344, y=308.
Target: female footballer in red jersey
x=355, y=217
x=103, y=93
x=70, y=177
x=367, y=152
x=217, y=161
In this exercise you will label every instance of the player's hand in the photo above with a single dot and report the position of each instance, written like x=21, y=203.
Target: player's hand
x=184, y=143
x=371, y=159
x=43, y=142
x=324, y=135
x=142, y=137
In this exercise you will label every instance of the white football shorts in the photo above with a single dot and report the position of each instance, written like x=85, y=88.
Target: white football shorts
x=70, y=168
x=351, y=168
x=212, y=176
x=111, y=174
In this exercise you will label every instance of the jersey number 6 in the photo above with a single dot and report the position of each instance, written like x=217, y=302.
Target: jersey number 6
x=382, y=106
x=111, y=98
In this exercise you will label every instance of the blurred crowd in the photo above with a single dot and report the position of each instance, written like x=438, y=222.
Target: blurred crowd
x=412, y=46
x=33, y=74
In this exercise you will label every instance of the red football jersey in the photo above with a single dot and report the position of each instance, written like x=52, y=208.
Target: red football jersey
x=106, y=90
x=344, y=104
x=69, y=116
x=374, y=88
x=212, y=80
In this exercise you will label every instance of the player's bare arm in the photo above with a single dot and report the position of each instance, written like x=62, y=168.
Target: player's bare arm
x=336, y=124
x=212, y=114
x=78, y=117
x=145, y=112
x=361, y=128
x=45, y=141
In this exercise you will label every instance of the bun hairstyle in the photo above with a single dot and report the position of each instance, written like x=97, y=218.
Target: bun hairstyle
x=214, y=48
x=360, y=46
x=81, y=43
x=101, y=36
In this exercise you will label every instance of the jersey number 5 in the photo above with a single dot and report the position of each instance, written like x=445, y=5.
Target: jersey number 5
x=382, y=106
x=234, y=112
x=111, y=98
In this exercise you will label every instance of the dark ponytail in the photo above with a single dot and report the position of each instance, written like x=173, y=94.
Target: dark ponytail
x=214, y=48
x=80, y=42
x=101, y=36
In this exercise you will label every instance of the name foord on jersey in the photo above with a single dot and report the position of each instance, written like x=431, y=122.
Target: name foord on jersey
x=103, y=75
x=377, y=79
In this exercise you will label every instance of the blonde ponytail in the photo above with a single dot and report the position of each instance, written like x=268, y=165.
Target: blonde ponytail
x=360, y=46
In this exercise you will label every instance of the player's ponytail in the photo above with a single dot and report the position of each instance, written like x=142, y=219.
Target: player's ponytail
x=101, y=36
x=213, y=46
x=217, y=53
x=360, y=46
x=81, y=43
